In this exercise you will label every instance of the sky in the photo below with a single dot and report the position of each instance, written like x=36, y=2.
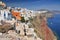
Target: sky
x=34, y=4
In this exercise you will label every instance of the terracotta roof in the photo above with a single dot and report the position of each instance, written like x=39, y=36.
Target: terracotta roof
x=16, y=14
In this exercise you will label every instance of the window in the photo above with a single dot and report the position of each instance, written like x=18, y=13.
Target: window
x=4, y=15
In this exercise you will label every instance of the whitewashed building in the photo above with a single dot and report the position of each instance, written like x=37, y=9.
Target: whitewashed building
x=5, y=15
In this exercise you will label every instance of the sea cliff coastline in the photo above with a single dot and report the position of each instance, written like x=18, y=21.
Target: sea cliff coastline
x=42, y=29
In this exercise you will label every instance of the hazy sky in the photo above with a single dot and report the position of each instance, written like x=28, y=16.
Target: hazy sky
x=34, y=4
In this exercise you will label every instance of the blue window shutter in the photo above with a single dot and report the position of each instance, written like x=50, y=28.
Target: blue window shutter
x=4, y=14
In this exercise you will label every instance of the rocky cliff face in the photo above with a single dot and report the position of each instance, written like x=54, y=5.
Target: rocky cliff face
x=5, y=27
x=43, y=31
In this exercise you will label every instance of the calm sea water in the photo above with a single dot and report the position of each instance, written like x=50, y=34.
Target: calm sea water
x=54, y=24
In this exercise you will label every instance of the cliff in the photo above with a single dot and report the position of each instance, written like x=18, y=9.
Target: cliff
x=43, y=31
x=5, y=27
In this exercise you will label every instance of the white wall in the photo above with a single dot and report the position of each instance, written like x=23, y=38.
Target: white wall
x=2, y=15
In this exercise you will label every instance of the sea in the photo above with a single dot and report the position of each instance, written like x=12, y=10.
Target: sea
x=54, y=24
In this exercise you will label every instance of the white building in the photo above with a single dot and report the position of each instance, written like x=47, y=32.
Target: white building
x=4, y=14
x=1, y=15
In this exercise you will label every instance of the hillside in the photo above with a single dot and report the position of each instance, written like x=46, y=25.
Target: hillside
x=43, y=31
